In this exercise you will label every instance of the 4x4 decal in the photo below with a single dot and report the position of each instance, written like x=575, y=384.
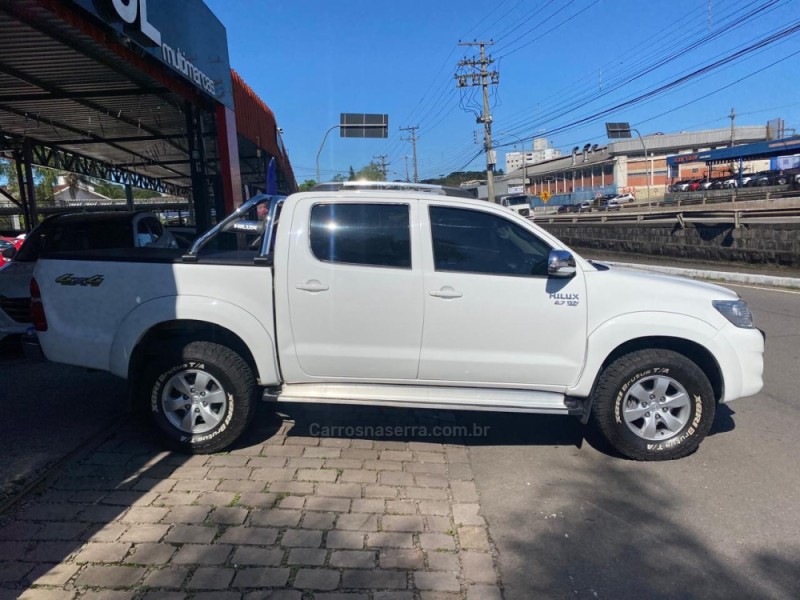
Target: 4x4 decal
x=70, y=279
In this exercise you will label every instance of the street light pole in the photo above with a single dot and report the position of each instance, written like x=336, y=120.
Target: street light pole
x=623, y=130
x=524, y=162
x=345, y=126
x=646, y=168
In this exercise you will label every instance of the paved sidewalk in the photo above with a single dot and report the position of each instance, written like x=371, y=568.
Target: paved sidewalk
x=284, y=516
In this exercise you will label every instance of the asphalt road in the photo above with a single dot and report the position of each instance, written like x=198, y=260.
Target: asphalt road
x=49, y=411
x=570, y=520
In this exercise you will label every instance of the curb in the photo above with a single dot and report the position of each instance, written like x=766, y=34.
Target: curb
x=720, y=276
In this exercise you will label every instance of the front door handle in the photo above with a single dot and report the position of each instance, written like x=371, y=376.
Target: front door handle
x=446, y=292
x=312, y=285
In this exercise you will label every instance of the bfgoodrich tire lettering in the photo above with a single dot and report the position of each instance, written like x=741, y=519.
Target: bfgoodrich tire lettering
x=653, y=405
x=201, y=395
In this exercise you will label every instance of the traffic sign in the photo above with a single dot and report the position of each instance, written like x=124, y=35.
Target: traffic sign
x=545, y=196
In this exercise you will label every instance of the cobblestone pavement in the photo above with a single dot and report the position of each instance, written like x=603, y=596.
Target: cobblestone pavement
x=284, y=516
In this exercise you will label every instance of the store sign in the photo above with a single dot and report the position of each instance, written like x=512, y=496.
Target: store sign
x=784, y=163
x=182, y=34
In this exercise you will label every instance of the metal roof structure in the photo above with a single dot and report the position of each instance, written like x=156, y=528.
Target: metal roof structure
x=759, y=150
x=83, y=108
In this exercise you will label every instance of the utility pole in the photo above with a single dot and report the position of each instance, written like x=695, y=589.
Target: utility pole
x=407, y=179
x=413, y=140
x=382, y=158
x=482, y=78
x=733, y=119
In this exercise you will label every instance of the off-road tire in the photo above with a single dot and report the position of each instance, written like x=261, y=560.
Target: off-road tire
x=624, y=372
x=221, y=363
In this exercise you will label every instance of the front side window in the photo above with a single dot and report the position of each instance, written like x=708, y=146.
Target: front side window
x=473, y=241
x=362, y=234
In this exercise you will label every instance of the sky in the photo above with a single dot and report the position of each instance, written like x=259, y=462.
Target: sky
x=565, y=67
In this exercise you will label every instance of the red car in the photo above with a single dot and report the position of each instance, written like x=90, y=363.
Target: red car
x=695, y=185
x=8, y=242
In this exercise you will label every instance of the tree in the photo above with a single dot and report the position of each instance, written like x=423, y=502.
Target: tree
x=352, y=175
x=456, y=178
x=307, y=185
x=371, y=172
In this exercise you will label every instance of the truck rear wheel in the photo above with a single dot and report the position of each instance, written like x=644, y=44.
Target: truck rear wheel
x=201, y=395
x=653, y=405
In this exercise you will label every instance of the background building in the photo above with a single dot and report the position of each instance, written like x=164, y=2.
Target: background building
x=541, y=151
x=622, y=167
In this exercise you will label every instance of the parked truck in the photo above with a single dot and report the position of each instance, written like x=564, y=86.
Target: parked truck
x=397, y=298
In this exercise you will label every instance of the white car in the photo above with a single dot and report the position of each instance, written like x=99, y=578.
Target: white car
x=404, y=299
x=624, y=198
x=70, y=231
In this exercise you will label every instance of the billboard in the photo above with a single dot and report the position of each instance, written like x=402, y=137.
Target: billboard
x=184, y=35
x=363, y=125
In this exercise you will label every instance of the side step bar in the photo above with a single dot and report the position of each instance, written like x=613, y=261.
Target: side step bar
x=416, y=396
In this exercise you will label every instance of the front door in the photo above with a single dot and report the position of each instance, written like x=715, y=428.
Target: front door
x=492, y=315
x=355, y=289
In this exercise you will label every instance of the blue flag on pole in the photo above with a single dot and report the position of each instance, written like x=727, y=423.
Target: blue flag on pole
x=272, y=178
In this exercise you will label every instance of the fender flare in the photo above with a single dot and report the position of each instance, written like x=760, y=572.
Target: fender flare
x=197, y=308
x=611, y=334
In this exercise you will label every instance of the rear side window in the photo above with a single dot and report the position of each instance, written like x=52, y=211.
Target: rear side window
x=362, y=234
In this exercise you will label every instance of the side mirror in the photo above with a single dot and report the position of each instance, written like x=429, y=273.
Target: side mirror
x=9, y=253
x=560, y=263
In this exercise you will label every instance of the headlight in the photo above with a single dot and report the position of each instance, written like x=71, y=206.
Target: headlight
x=736, y=311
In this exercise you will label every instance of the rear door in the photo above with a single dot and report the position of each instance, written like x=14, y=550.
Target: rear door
x=354, y=291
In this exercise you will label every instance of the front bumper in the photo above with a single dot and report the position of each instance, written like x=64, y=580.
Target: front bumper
x=741, y=359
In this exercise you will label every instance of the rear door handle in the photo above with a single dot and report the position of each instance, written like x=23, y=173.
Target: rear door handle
x=312, y=285
x=446, y=292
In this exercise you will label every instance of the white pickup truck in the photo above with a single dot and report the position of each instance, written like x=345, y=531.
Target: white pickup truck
x=403, y=299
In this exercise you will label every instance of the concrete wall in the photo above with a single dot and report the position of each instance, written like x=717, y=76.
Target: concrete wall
x=775, y=244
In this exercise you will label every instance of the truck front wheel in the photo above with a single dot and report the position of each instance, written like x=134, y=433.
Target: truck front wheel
x=653, y=405
x=201, y=395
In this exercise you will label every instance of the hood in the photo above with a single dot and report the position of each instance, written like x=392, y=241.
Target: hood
x=620, y=290
x=674, y=283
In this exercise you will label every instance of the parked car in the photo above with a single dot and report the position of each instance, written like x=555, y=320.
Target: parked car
x=563, y=209
x=729, y=182
x=397, y=299
x=70, y=231
x=6, y=244
x=778, y=178
x=748, y=178
x=681, y=186
x=585, y=206
x=694, y=185
x=612, y=204
x=624, y=198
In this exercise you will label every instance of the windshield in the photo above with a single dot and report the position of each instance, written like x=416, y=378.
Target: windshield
x=517, y=200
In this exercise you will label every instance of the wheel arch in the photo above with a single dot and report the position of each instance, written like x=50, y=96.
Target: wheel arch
x=697, y=353
x=189, y=330
x=193, y=318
